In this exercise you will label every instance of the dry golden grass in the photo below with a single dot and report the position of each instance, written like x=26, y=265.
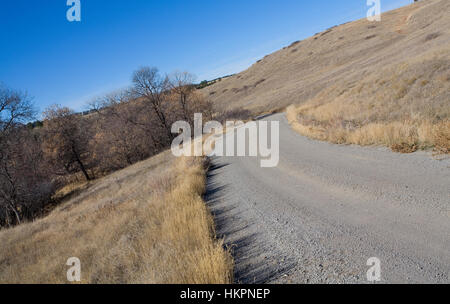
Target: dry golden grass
x=441, y=136
x=401, y=136
x=393, y=112
x=145, y=224
x=403, y=105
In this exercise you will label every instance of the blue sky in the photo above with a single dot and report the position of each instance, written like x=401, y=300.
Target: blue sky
x=56, y=61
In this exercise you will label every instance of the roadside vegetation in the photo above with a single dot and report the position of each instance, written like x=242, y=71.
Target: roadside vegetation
x=405, y=107
x=143, y=224
x=101, y=186
x=119, y=130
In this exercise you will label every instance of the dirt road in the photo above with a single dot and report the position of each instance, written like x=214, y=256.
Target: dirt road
x=326, y=209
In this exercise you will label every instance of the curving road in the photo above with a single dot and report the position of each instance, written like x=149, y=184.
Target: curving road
x=326, y=209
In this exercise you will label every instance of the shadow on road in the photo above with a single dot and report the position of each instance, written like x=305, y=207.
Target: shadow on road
x=252, y=263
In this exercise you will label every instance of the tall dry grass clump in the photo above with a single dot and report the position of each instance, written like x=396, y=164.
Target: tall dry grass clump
x=442, y=137
x=403, y=106
x=144, y=224
x=401, y=136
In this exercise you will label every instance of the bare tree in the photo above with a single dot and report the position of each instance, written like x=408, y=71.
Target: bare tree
x=153, y=89
x=24, y=184
x=15, y=108
x=182, y=84
x=124, y=132
x=66, y=140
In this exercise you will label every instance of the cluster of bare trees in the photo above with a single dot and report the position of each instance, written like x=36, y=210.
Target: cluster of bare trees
x=122, y=128
x=133, y=124
x=65, y=141
x=25, y=186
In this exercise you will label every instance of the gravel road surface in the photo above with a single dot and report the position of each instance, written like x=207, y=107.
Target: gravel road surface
x=326, y=209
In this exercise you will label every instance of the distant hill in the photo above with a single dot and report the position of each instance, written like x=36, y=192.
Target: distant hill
x=405, y=59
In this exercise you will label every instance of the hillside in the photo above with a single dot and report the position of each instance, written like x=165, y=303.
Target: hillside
x=354, y=74
x=144, y=224
x=341, y=58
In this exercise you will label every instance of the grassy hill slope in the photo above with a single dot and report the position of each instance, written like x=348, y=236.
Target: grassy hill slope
x=144, y=224
x=391, y=72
